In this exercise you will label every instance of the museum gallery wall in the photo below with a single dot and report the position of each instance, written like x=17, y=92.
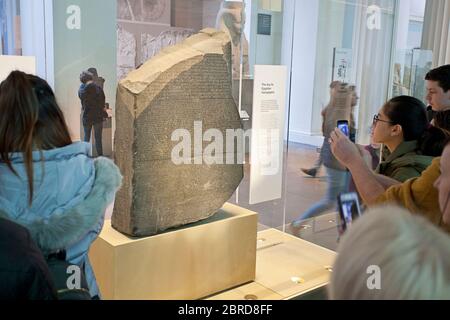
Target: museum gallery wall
x=146, y=27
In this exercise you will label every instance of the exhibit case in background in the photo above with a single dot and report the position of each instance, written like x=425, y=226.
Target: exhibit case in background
x=410, y=67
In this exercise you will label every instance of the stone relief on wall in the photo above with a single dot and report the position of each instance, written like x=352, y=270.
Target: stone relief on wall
x=149, y=22
x=151, y=46
x=126, y=53
x=142, y=10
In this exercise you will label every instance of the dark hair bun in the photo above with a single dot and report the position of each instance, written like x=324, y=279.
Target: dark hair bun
x=433, y=141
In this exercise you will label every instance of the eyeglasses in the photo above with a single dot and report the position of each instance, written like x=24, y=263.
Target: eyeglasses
x=376, y=118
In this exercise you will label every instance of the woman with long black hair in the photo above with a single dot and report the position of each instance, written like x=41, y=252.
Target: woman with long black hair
x=49, y=184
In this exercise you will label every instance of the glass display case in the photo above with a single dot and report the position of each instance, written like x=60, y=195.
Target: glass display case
x=116, y=37
x=283, y=55
x=410, y=68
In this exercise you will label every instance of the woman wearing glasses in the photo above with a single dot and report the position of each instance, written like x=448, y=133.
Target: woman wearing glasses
x=411, y=143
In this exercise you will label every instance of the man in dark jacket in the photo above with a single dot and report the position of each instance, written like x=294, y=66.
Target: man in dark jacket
x=99, y=81
x=430, y=113
x=93, y=107
x=24, y=274
x=438, y=88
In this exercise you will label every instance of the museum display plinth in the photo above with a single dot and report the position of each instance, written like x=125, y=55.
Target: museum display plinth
x=184, y=264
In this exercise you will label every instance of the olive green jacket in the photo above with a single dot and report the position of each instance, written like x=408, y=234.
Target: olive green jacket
x=404, y=163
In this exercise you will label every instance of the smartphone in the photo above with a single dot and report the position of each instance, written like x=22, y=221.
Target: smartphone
x=349, y=210
x=344, y=127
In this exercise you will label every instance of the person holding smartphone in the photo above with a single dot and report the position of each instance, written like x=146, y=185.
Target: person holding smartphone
x=340, y=110
x=427, y=195
x=411, y=143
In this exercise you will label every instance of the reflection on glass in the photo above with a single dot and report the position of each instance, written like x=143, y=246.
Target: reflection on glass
x=141, y=10
x=410, y=68
x=10, y=35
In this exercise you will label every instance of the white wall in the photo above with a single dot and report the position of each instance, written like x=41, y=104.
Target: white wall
x=10, y=9
x=333, y=19
x=37, y=35
x=264, y=49
x=404, y=9
x=268, y=47
x=248, y=22
x=286, y=48
x=306, y=18
x=252, y=22
x=418, y=8
x=10, y=63
x=436, y=33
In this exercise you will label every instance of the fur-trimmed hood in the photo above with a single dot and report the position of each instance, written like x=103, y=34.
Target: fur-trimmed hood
x=70, y=222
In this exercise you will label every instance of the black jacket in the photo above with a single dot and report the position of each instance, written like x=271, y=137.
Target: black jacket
x=24, y=274
x=430, y=113
x=92, y=102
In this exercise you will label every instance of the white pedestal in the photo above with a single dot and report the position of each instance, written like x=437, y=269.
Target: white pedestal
x=185, y=264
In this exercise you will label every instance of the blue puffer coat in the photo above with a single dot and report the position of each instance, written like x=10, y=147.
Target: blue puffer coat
x=71, y=194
